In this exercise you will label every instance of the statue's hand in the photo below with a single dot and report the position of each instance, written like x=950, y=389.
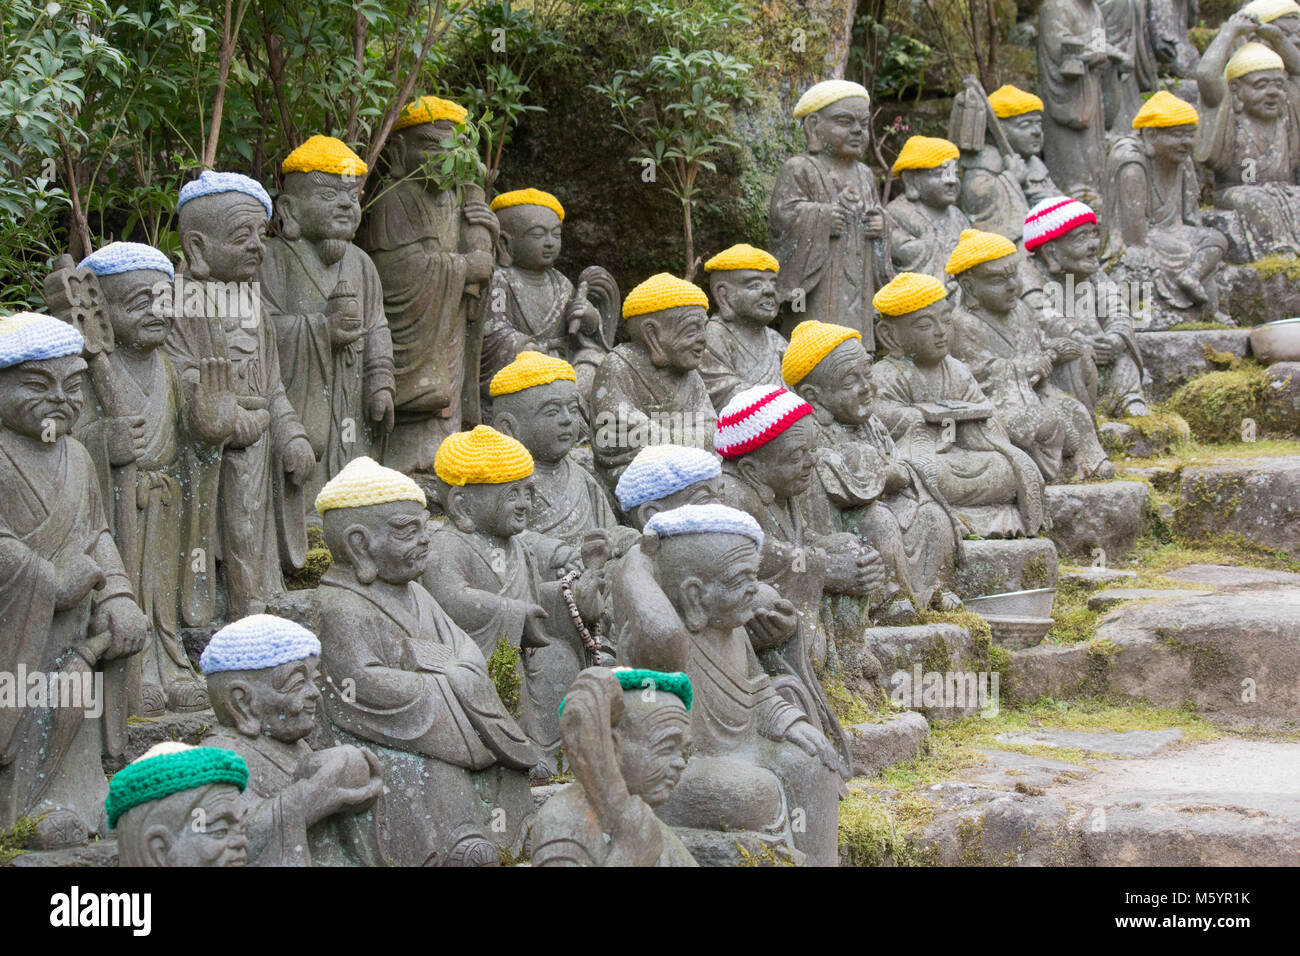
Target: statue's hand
x=587, y=595
x=774, y=624
x=126, y=624
x=75, y=580
x=1066, y=349
x=896, y=478
x=532, y=635
x=299, y=460
x=1103, y=348
x=328, y=775
x=381, y=409
x=478, y=265
x=564, y=559
x=813, y=742
x=873, y=223
x=250, y=425
x=479, y=213
x=1242, y=22
x=215, y=410
x=344, y=319
x=841, y=219
x=125, y=439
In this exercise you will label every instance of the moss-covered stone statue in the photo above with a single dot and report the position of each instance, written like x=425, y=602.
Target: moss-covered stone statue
x=925, y=222
x=743, y=348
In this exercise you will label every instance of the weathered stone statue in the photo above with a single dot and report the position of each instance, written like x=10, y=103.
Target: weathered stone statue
x=402, y=679
x=743, y=349
x=625, y=732
x=649, y=391
x=67, y=615
x=1128, y=30
x=826, y=223
x=327, y=305
x=925, y=222
x=879, y=496
x=1063, y=235
x=942, y=422
x=261, y=673
x=155, y=801
x=1169, y=21
x=244, y=507
x=431, y=242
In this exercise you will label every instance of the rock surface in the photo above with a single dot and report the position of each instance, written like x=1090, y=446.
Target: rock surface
x=1282, y=398
x=934, y=649
x=1258, y=499
x=1129, y=743
x=1107, y=599
x=1094, y=575
x=1173, y=358
x=1019, y=564
x=876, y=746
x=1097, y=522
x=1227, y=576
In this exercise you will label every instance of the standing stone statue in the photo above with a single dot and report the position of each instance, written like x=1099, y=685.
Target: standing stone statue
x=1169, y=21
x=402, y=679
x=67, y=614
x=625, y=732
x=925, y=222
x=327, y=305
x=826, y=224
x=1128, y=30
x=155, y=801
x=261, y=672
x=743, y=350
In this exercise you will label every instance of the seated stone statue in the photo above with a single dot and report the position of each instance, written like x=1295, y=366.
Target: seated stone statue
x=743, y=349
x=67, y=614
x=878, y=496
x=649, y=391
x=402, y=679
x=261, y=673
x=664, y=477
x=178, y=805
x=942, y=422
x=1013, y=355
x=1077, y=293
x=925, y=222
x=625, y=732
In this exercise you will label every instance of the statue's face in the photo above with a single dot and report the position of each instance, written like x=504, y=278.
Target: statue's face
x=732, y=585
x=651, y=739
x=937, y=188
x=1262, y=93
x=1173, y=143
x=843, y=127
x=42, y=399
x=214, y=833
x=500, y=510
x=399, y=541
x=1289, y=25
x=533, y=236
x=787, y=461
x=682, y=339
x=547, y=419
x=995, y=285
x=925, y=336
x=285, y=699
x=847, y=389
x=750, y=294
x=1024, y=133
x=701, y=493
x=427, y=141
x=140, y=319
x=235, y=243
x=1077, y=251
x=325, y=205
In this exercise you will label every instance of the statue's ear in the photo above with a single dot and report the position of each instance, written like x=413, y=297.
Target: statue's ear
x=285, y=216
x=356, y=548
x=196, y=263
x=1051, y=258
x=909, y=184
x=644, y=512
x=650, y=336
x=810, y=393
x=239, y=705
x=692, y=606
x=810, y=123
x=504, y=256
x=157, y=842
x=458, y=510
x=721, y=292
x=885, y=335
x=506, y=424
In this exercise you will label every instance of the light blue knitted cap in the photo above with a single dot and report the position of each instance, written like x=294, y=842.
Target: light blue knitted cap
x=658, y=471
x=210, y=183
x=705, y=519
x=256, y=642
x=127, y=257
x=32, y=336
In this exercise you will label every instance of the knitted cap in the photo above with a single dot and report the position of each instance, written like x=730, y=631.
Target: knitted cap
x=1251, y=58
x=171, y=767
x=705, y=519
x=975, y=247
x=827, y=92
x=324, y=154
x=663, y=291
x=1266, y=11
x=1165, y=109
x=1008, y=101
x=754, y=417
x=810, y=342
x=907, y=292
x=658, y=471
x=482, y=456
x=528, y=197
x=925, y=152
x=528, y=370
x=127, y=257
x=31, y=336
x=257, y=642
x=1055, y=217
x=211, y=183
x=363, y=481
x=675, y=683
x=742, y=257
x=430, y=109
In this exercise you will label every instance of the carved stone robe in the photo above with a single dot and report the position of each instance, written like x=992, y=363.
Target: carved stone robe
x=995, y=199
x=921, y=239
x=732, y=365
x=568, y=833
x=1074, y=129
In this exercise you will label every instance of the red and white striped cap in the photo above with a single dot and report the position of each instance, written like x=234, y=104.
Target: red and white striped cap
x=754, y=417
x=1055, y=217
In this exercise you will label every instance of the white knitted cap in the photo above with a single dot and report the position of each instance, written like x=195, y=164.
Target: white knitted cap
x=257, y=642
x=658, y=471
x=32, y=336
x=705, y=519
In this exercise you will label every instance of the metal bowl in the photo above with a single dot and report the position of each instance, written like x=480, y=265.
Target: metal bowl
x=1276, y=341
x=1035, y=603
x=1014, y=632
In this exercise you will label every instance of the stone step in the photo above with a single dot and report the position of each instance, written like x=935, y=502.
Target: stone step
x=875, y=746
x=1174, y=358
x=1109, y=598
x=1257, y=499
x=1097, y=522
x=1017, y=564
x=924, y=649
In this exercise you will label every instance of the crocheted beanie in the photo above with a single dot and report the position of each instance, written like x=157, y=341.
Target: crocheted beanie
x=528, y=370
x=528, y=197
x=827, y=92
x=1008, y=101
x=1053, y=218
x=742, y=257
x=705, y=519
x=1165, y=109
x=754, y=417
x=1266, y=11
x=481, y=456
x=363, y=481
x=658, y=471
x=810, y=342
x=663, y=291
x=430, y=109
x=975, y=247
x=171, y=767
x=907, y=292
x=324, y=154
x=31, y=336
x=257, y=642
x=1251, y=58
x=925, y=152
x=211, y=183
x=127, y=257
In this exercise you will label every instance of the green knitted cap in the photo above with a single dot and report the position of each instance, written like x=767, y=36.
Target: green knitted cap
x=675, y=683
x=168, y=769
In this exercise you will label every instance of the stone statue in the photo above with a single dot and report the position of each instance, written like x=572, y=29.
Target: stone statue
x=925, y=222
x=826, y=224
x=245, y=506
x=879, y=496
x=327, y=305
x=942, y=422
x=402, y=679
x=625, y=732
x=1168, y=23
x=664, y=477
x=431, y=242
x=743, y=349
x=66, y=605
x=1128, y=30
x=261, y=673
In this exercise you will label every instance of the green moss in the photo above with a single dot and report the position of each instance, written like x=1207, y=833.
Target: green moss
x=879, y=827
x=503, y=668
x=849, y=708
x=1200, y=327
x=766, y=855
x=317, y=563
x=1271, y=266
x=14, y=839
x=1215, y=404
x=1035, y=574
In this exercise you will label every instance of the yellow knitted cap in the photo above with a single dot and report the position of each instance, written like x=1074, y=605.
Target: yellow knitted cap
x=663, y=291
x=810, y=342
x=907, y=292
x=1251, y=58
x=1165, y=109
x=1266, y=11
x=363, y=481
x=742, y=257
x=827, y=92
x=430, y=109
x=530, y=369
x=1008, y=101
x=324, y=154
x=925, y=152
x=482, y=456
x=975, y=247
x=528, y=197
